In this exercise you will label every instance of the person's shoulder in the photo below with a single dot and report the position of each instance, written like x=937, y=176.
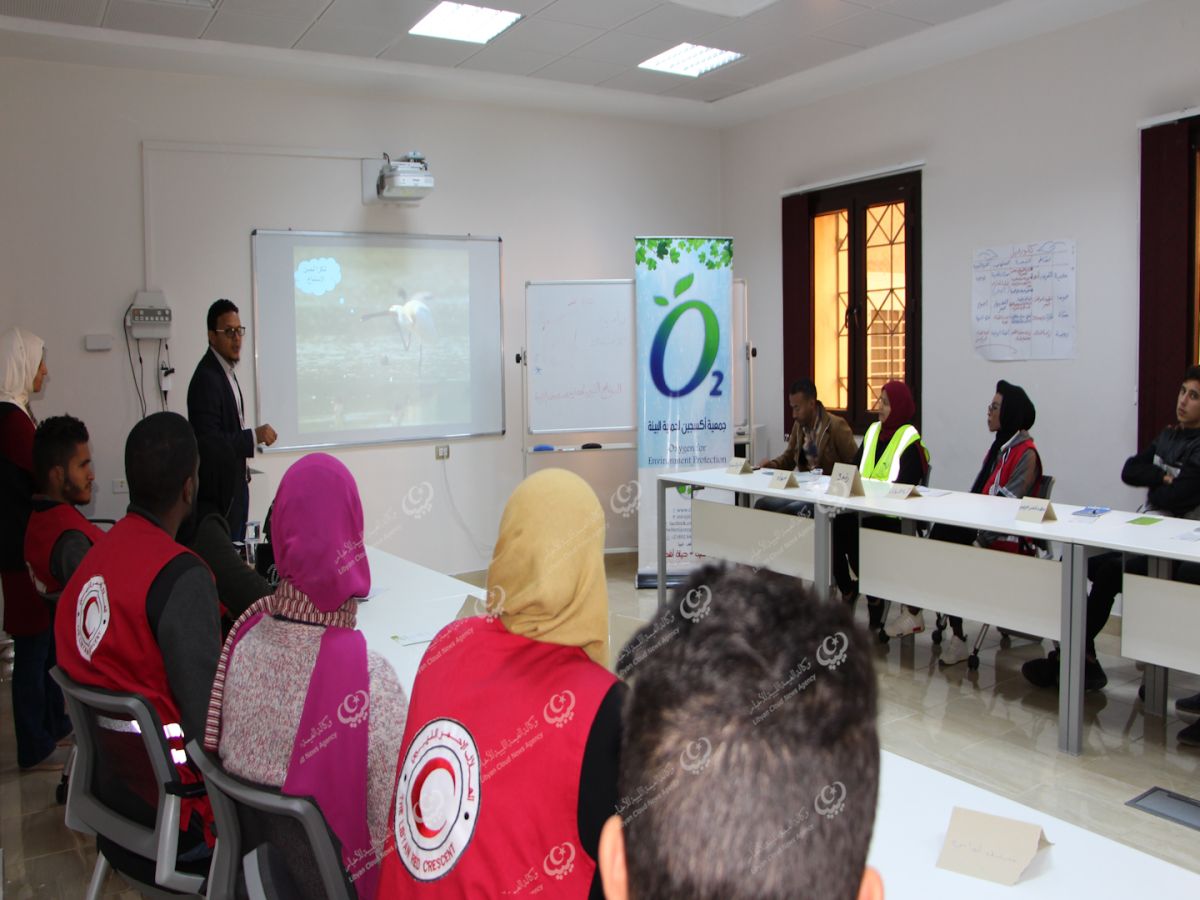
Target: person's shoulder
x=837, y=423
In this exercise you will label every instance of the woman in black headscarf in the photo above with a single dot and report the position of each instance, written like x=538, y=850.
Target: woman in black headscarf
x=1011, y=468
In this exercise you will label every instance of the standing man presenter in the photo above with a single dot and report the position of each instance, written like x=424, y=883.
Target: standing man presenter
x=216, y=406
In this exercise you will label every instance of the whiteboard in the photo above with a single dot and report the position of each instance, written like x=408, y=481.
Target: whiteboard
x=579, y=356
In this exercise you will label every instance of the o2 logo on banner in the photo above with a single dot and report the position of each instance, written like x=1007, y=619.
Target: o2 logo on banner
x=708, y=353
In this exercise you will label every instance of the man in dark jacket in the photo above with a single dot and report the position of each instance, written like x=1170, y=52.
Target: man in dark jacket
x=217, y=408
x=1170, y=469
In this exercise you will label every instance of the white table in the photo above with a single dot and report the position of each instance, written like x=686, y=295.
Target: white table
x=407, y=606
x=910, y=826
x=1004, y=589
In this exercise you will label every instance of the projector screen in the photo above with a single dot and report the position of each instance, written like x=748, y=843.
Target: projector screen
x=370, y=338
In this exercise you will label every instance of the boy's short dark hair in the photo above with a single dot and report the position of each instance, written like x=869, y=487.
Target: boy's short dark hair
x=160, y=455
x=803, y=386
x=218, y=309
x=54, y=443
x=1192, y=374
x=750, y=760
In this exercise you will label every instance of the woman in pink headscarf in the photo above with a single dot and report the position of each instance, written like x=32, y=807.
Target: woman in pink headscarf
x=298, y=702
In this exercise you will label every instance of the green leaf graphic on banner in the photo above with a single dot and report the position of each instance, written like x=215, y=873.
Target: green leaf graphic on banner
x=684, y=283
x=662, y=301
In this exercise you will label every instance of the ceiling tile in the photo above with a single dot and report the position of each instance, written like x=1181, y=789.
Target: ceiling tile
x=545, y=36
x=172, y=19
x=394, y=15
x=524, y=7
x=430, y=51
x=804, y=53
x=597, y=13
x=624, y=49
x=296, y=9
x=706, y=89
x=746, y=37
x=644, y=81
x=871, y=29
x=579, y=71
x=509, y=62
x=246, y=28
x=326, y=38
x=675, y=23
x=797, y=17
x=72, y=12
x=935, y=11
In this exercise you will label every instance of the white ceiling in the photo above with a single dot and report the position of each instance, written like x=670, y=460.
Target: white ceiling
x=794, y=50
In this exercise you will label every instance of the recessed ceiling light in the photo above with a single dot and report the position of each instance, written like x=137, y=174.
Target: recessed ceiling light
x=690, y=60
x=463, y=22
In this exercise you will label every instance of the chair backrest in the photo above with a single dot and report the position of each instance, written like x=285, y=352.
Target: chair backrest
x=267, y=875
x=249, y=816
x=1044, y=487
x=124, y=786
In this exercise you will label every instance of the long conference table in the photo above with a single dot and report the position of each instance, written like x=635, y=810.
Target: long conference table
x=1160, y=618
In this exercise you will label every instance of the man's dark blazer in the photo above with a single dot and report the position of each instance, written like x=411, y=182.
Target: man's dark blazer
x=213, y=410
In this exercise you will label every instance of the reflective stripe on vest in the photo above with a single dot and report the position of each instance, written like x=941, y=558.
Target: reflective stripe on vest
x=887, y=466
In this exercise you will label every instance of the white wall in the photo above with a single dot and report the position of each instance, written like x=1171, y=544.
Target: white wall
x=1031, y=141
x=566, y=193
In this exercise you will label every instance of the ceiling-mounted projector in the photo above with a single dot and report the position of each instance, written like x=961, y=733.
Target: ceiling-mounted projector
x=406, y=179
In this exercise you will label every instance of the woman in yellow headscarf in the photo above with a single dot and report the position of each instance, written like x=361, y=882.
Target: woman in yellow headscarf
x=509, y=760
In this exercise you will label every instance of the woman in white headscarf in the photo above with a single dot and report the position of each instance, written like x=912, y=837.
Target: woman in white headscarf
x=39, y=718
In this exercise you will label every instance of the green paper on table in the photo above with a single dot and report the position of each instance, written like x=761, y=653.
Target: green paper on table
x=1145, y=520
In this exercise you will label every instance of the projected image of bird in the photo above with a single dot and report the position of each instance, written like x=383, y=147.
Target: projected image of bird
x=414, y=319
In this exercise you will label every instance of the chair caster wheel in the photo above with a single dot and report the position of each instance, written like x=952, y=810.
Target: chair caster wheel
x=973, y=661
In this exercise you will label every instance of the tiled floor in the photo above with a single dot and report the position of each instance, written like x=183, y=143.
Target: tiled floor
x=987, y=727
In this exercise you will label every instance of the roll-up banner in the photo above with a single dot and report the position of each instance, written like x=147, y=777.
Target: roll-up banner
x=684, y=296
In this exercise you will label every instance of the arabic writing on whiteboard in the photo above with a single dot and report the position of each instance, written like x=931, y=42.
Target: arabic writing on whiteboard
x=1023, y=301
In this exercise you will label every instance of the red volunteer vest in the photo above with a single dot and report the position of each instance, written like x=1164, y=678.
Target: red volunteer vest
x=1001, y=472
x=487, y=785
x=103, y=638
x=43, y=532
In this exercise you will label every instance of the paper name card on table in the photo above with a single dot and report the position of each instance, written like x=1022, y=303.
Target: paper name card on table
x=1035, y=509
x=845, y=481
x=897, y=491
x=784, y=478
x=415, y=637
x=990, y=847
x=739, y=467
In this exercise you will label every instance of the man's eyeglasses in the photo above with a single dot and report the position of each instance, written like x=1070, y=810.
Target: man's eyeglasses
x=231, y=333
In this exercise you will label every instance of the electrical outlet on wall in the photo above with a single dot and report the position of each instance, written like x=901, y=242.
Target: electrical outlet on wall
x=120, y=486
x=441, y=451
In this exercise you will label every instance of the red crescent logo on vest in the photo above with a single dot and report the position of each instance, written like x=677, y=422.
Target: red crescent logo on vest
x=437, y=799
x=560, y=861
x=91, y=616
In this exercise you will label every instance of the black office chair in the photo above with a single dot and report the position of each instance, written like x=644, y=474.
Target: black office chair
x=304, y=859
x=125, y=789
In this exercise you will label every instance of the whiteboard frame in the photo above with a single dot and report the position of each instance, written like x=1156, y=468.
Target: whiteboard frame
x=485, y=238
x=609, y=429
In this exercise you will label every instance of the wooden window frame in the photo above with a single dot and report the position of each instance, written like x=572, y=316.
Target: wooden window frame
x=798, y=271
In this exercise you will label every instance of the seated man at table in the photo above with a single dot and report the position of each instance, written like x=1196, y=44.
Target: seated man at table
x=750, y=760
x=58, y=535
x=1170, y=469
x=140, y=614
x=818, y=440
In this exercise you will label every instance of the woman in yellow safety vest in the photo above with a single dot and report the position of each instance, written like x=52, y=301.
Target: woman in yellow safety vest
x=891, y=450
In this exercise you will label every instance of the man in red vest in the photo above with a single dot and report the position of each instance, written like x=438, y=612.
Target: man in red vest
x=750, y=759
x=58, y=535
x=140, y=614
